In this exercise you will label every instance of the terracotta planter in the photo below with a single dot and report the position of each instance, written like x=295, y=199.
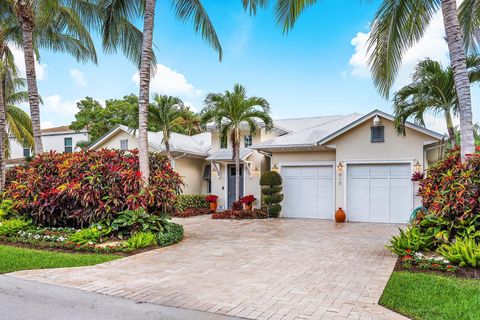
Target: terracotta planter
x=248, y=207
x=213, y=206
x=340, y=215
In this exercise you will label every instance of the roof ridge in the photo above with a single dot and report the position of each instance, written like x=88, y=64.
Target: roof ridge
x=316, y=117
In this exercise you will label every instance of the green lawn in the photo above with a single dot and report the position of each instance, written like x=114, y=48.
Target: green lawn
x=430, y=297
x=15, y=259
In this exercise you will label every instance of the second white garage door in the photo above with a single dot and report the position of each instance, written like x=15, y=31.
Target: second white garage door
x=379, y=193
x=308, y=192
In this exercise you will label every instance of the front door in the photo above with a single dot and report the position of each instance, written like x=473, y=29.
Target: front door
x=231, y=184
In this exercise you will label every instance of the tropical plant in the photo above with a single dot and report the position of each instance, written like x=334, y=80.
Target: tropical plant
x=81, y=188
x=248, y=200
x=432, y=90
x=211, y=198
x=231, y=112
x=271, y=182
x=185, y=201
x=129, y=222
x=7, y=208
x=86, y=236
x=141, y=240
x=464, y=252
x=411, y=239
x=44, y=24
x=12, y=226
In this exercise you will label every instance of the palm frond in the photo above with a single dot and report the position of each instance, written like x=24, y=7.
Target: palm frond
x=288, y=11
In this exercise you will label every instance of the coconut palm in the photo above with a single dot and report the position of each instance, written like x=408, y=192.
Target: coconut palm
x=230, y=111
x=164, y=114
x=44, y=24
x=432, y=90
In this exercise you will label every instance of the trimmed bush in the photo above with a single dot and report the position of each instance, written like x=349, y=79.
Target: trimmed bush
x=271, y=183
x=173, y=234
x=81, y=188
x=185, y=201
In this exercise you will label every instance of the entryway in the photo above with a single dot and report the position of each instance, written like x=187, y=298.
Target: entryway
x=232, y=193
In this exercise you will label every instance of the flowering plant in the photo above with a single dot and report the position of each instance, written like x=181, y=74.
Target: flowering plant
x=417, y=176
x=211, y=198
x=248, y=199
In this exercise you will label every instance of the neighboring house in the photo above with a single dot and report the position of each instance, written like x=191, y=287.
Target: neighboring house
x=354, y=161
x=60, y=139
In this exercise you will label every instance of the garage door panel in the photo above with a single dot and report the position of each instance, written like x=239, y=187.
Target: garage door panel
x=290, y=203
x=379, y=192
x=309, y=172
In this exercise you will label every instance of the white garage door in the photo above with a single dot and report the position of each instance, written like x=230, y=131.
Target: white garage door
x=308, y=192
x=379, y=193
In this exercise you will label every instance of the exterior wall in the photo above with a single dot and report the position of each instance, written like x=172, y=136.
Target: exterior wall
x=355, y=146
x=191, y=171
x=260, y=136
x=302, y=156
x=51, y=142
x=114, y=141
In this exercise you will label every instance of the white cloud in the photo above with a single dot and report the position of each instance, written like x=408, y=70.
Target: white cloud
x=432, y=45
x=436, y=122
x=40, y=69
x=46, y=124
x=78, y=77
x=169, y=81
x=55, y=105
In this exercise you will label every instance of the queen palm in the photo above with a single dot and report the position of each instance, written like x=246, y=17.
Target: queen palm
x=230, y=111
x=432, y=90
x=44, y=24
x=164, y=114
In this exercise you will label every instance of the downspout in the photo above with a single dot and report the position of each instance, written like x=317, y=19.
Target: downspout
x=173, y=159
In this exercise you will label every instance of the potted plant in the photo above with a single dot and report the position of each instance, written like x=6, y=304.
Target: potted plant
x=212, y=200
x=248, y=201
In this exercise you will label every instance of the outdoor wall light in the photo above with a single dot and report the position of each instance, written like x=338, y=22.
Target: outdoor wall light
x=275, y=168
x=417, y=166
x=254, y=172
x=340, y=172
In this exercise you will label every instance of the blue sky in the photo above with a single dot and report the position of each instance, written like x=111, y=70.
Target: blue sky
x=317, y=69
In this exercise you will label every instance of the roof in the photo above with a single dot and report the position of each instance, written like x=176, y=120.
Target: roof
x=196, y=145
x=227, y=154
x=61, y=129
x=313, y=129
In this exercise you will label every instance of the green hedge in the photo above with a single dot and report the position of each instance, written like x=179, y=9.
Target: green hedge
x=185, y=201
x=173, y=235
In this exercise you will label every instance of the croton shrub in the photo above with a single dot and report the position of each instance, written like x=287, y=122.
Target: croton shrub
x=451, y=189
x=81, y=188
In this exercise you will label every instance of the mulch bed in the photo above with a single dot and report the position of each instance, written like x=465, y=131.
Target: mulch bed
x=462, y=272
x=192, y=212
x=240, y=214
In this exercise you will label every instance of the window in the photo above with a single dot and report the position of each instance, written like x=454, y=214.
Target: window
x=68, y=145
x=124, y=144
x=223, y=142
x=26, y=149
x=377, y=134
x=233, y=171
x=248, y=141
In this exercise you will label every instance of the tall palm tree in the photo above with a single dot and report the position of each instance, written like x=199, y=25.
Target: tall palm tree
x=232, y=109
x=45, y=24
x=432, y=90
x=164, y=114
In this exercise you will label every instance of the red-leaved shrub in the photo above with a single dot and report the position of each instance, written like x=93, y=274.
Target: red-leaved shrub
x=240, y=214
x=192, y=212
x=451, y=188
x=76, y=189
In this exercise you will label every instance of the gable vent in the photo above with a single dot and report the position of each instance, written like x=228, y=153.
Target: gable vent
x=377, y=134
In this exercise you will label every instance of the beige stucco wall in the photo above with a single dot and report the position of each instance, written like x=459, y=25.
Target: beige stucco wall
x=114, y=141
x=191, y=171
x=355, y=145
x=302, y=156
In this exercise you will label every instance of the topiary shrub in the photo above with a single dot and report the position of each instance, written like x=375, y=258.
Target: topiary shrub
x=196, y=201
x=81, y=188
x=271, y=183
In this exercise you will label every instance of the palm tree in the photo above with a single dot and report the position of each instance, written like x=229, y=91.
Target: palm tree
x=229, y=111
x=432, y=89
x=164, y=114
x=45, y=24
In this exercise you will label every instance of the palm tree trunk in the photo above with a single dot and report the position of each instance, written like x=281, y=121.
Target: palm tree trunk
x=460, y=75
x=26, y=19
x=236, y=146
x=2, y=122
x=166, y=140
x=145, y=89
x=450, y=129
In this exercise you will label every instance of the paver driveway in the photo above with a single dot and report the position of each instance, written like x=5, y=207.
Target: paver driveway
x=276, y=269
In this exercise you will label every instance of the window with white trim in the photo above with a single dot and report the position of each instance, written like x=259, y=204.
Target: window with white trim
x=26, y=149
x=68, y=143
x=248, y=140
x=124, y=144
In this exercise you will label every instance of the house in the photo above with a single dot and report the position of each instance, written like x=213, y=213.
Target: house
x=353, y=161
x=60, y=139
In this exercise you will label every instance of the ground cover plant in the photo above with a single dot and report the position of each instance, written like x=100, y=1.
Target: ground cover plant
x=190, y=205
x=237, y=212
x=15, y=259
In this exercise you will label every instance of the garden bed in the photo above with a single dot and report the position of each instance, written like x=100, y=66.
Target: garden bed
x=192, y=212
x=460, y=272
x=240, y=214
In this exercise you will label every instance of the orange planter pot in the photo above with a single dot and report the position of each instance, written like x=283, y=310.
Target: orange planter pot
x=213, y=206
x=340, y=215
x=248, y=207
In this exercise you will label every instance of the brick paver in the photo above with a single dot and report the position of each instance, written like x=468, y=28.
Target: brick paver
x=276, y=269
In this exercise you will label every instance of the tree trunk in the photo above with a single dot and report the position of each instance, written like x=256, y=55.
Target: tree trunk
x=2, y=120
x=26, y=19
x=236, y=146
x=166, y=140
x=145, y=90
x=460, y=75
x=450, y=129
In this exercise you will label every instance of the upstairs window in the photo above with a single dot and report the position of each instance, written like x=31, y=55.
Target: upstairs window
x=124, y=144
x=248, y=141
x=68, y=143
x=26, y=150
x=377, y=134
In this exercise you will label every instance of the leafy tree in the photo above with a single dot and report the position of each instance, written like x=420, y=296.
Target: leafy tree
x=44, y=24
x=232, y=109
x=432, y=90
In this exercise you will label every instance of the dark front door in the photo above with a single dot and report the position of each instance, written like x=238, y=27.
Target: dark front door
x=231, y=184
